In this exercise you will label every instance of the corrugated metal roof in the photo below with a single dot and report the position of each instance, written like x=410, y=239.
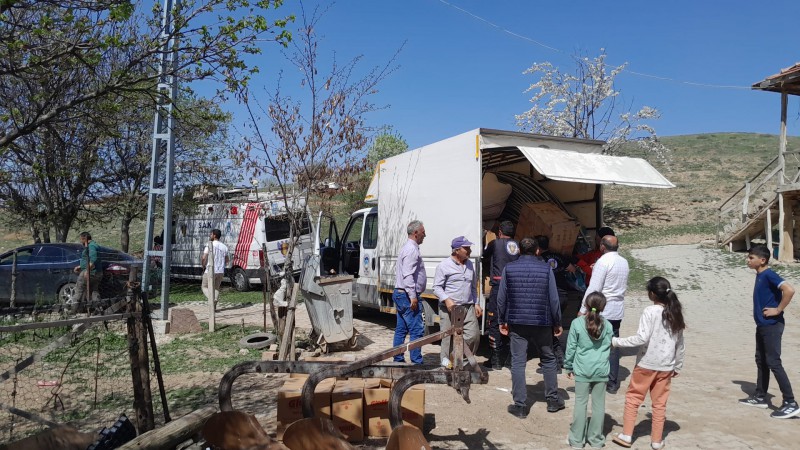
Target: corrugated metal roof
x=577, y=167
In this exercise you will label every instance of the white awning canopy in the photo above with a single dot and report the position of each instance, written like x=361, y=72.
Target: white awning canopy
x=594, y=168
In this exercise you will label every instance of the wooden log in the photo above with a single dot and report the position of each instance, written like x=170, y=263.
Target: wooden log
x=173, y=433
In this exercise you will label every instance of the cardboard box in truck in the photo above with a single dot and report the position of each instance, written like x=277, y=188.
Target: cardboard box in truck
x=547, y=219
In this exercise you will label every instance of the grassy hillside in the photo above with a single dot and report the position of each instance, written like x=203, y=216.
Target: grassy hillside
x=705, y=168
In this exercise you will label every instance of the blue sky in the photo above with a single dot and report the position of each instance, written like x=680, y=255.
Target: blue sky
x=458, y=72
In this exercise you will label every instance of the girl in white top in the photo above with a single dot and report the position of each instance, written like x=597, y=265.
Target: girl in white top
x=660, y=359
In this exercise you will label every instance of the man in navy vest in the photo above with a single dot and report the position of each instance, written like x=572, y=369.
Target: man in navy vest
x=499, y=252
x=530, y=314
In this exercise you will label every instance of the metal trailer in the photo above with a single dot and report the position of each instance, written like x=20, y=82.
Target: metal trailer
x=465, y=371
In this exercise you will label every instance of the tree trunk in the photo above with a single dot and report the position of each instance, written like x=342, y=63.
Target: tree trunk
x=37, y=239
x=46, y=235
x=125, y=233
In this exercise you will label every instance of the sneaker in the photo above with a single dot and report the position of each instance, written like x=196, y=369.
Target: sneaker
x=611, y=389
x=555, y=405
x=541, y=370
x=622, y=440
x=787, y=410
x=758, y=402
x=518, y=411
x=657, y=445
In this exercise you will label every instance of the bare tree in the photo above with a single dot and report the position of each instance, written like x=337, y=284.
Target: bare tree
x=321, y=137
x=585, y=104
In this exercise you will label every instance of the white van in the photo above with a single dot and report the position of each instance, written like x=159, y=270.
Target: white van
x=463, y=185
x=246, y=227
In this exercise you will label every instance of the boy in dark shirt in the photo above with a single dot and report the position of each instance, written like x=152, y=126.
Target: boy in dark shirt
x=771, y=296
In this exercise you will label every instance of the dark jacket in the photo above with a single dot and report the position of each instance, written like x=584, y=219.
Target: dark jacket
x=528, y=294
x=500, y=252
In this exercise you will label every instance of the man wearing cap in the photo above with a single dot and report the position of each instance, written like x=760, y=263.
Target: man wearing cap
x=610, y=276
x=587, y=260
x=530, y=314
x=454, y=284
x=409, y=285
x=499, y=252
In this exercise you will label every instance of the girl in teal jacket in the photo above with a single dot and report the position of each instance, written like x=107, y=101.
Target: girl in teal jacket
x=586, y=361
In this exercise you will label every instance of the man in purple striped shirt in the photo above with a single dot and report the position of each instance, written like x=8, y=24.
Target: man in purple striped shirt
x=409, y=285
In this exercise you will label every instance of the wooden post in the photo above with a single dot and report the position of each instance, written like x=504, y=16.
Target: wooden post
x=140, y=368
x=212, y=318
x=745, y=203
x=786, y=248
x=287, y=341
x=768, y=229
x=782, y=149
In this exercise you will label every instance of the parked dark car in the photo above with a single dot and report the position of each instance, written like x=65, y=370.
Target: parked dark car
x=45, y=272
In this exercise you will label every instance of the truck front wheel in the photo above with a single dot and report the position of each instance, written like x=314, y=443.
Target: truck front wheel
x=239, y=280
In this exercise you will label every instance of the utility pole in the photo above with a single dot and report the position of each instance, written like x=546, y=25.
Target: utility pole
x=162, y=164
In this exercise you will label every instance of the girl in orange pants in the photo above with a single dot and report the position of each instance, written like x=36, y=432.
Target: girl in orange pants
x=660, y=335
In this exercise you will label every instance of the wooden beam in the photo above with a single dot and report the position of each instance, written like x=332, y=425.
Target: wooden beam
x=768, y=229
x=787, y=239
x=173, y=433
x=782, y=150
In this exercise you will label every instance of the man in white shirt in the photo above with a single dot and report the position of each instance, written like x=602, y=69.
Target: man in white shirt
x=220, y=263
x=610, y=277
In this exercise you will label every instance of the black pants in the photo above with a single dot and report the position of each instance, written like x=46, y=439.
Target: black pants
x=613, y=358
x=523, y=336
x=497, y=342
x=768, y=358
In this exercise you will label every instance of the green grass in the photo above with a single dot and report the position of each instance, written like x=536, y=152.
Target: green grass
x=639, y=273
x=191, y=398
x=643, y=236
x=190, y=291
x=207, y=352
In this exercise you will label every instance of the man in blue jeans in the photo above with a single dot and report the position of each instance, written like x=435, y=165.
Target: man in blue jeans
x=409, y=285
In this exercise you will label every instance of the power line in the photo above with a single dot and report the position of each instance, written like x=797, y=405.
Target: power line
x=557, y=50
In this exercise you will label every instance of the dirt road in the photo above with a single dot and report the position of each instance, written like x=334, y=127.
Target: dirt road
x=702, y=410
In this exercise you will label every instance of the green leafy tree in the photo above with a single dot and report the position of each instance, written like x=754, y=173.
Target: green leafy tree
x=386, y=144
x=119, y=44
x=201, y=146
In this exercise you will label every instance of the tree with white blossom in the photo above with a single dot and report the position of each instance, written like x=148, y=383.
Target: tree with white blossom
x=586, y=104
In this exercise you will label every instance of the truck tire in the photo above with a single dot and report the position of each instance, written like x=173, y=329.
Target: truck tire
x=239, y=280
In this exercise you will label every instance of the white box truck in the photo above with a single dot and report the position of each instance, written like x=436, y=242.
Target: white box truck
x=246, y=225
x=461, y=186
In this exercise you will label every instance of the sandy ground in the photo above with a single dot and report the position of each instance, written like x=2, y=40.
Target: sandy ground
x=702, y=411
